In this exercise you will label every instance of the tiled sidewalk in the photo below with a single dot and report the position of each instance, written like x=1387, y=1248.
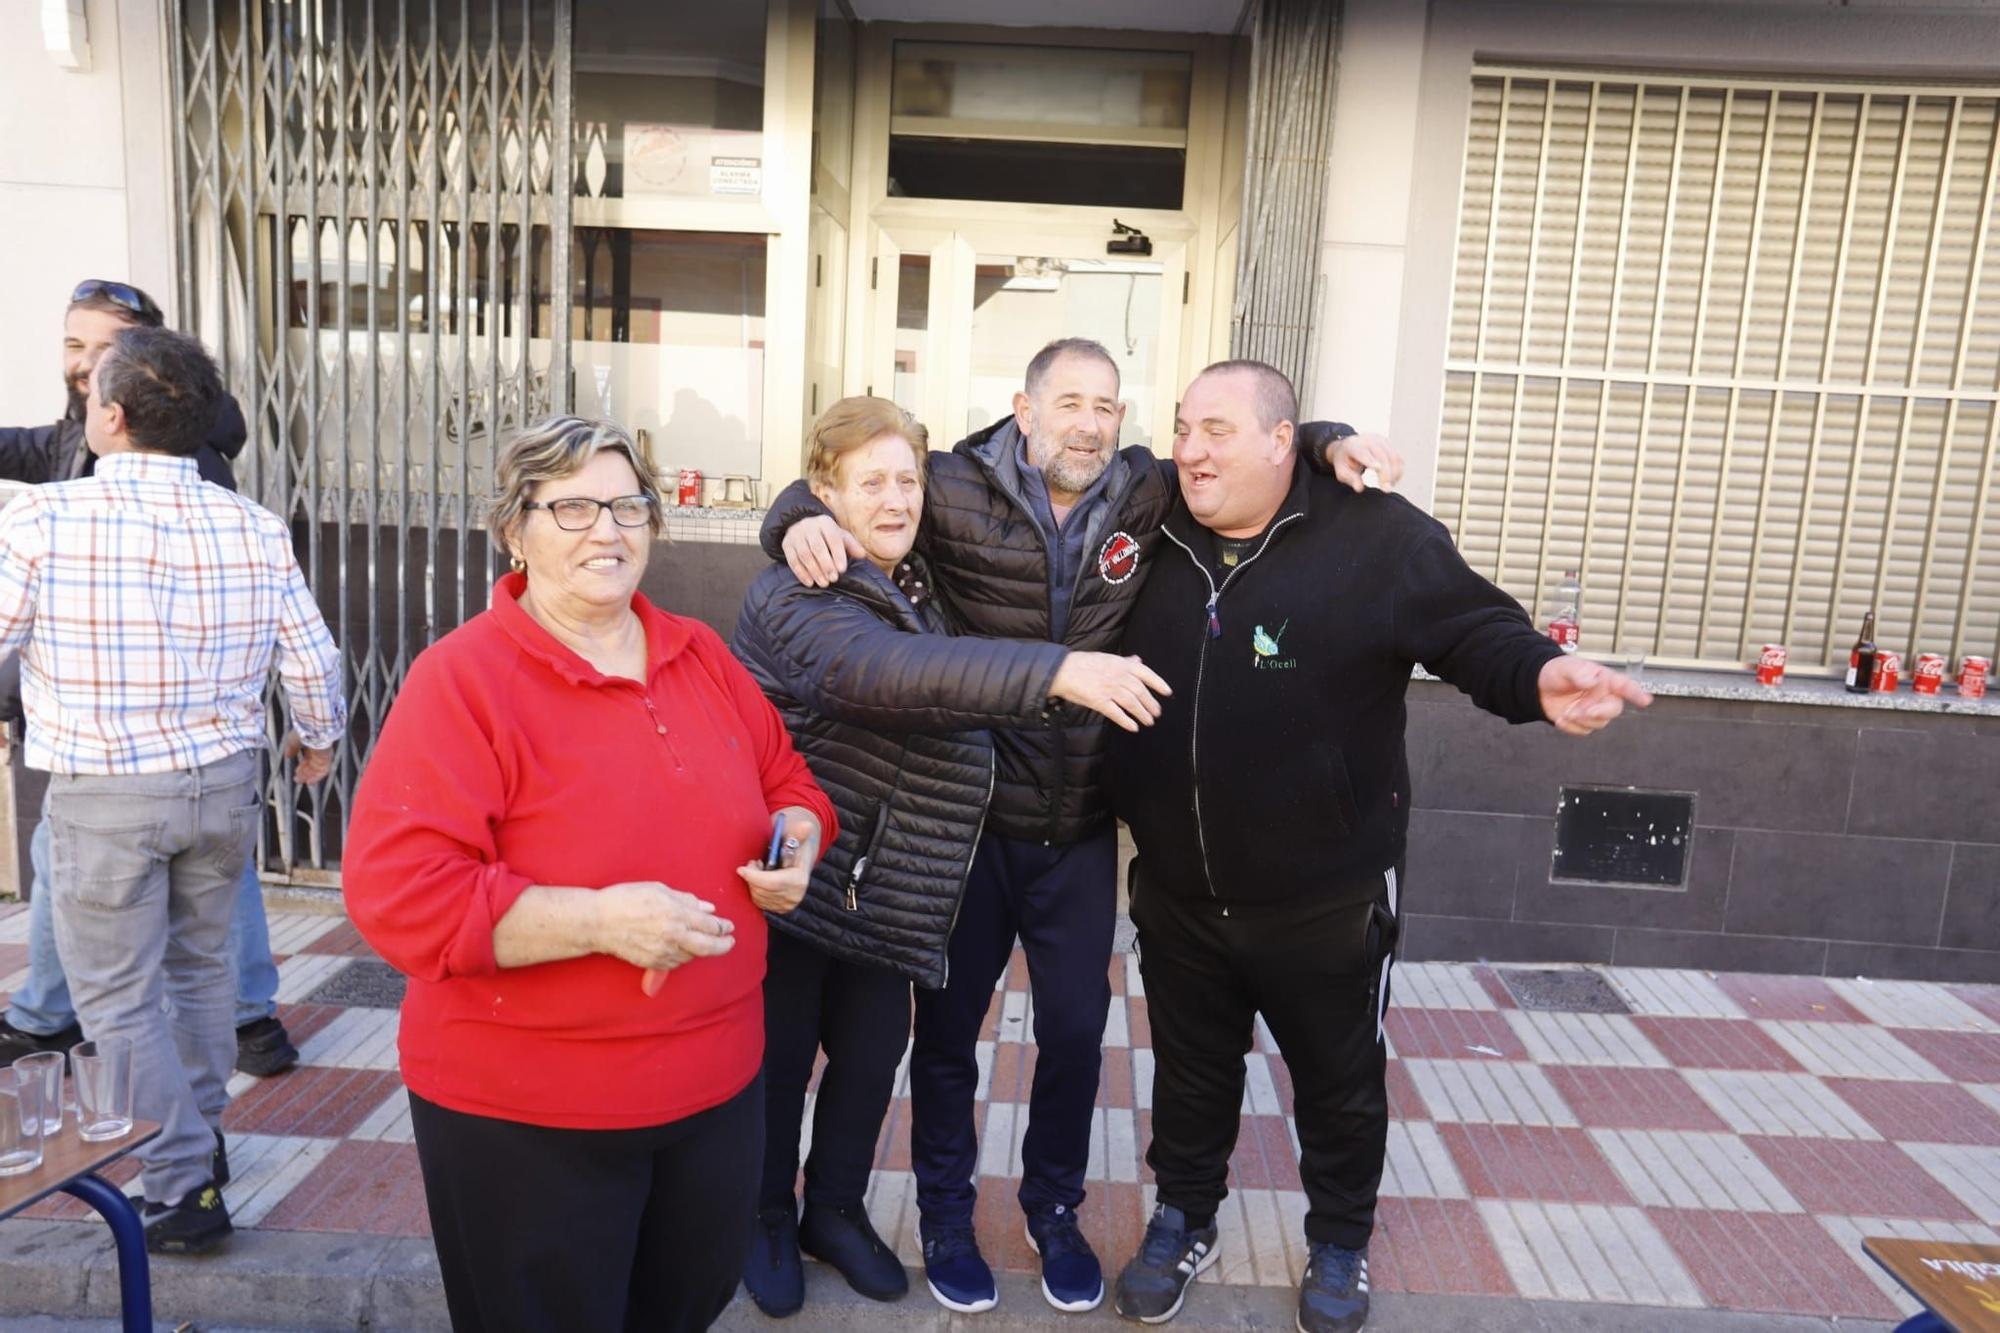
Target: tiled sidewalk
x=1724, y=1146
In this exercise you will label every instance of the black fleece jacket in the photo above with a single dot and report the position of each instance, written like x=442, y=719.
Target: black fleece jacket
x=1277, y=768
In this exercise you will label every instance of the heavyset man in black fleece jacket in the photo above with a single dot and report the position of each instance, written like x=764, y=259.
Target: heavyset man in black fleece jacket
x=1269, y=805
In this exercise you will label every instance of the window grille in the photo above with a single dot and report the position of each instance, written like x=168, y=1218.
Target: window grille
x=1732, y=349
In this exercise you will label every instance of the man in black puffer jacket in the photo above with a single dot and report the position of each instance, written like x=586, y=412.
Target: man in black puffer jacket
x=1269, y=807
x=1040, y=527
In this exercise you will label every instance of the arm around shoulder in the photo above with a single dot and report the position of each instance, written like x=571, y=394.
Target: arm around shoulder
x=842, y=660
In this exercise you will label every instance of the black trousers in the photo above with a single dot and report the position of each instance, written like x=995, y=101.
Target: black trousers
x=861, y=1015
x=1062, y=904
x=634, y=1229
x=1319, y=975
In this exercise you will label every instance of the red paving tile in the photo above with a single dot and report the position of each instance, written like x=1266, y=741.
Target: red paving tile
x=1113, y=1218
x=1139, y=1020
x=1013, y=1072
x=304, y=1021
x=1496, y=989
x=1806, y=999
x=12, y=958
x=1986, y=999
x=1770, y=1262
x=1450, y=1034
x=1920, y=1112
x=1116, y=974
x=1114, y=1084
x=1969, y=1057
x=1860, y=1179
x=892, y=1148
x=1281, y=1079
x=1716, y=1043
x=1263, y=1158
x=998, y=1223
x=1532, y=1162
x=343, y=940
x=1405, y=1102
x=1434, y=1245
x=368, y=1187
x=312, y=1099
x=1604, y=1098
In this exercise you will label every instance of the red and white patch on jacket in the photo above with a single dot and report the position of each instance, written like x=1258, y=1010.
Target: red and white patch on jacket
x=1118, y=560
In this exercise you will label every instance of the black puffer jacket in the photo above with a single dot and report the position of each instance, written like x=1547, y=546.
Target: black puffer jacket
x=889, y=713
x=983, y=541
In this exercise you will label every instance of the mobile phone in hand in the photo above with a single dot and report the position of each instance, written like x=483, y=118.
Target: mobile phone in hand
x=774, y=858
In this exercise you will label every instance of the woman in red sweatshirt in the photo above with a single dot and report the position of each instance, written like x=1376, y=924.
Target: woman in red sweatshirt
x=559, y=838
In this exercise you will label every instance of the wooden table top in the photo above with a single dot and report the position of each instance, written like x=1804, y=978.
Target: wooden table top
x=1959, y=1283
x=64, y=1158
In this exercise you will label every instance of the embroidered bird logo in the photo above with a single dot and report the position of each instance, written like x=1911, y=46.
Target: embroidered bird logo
x=1266, y=645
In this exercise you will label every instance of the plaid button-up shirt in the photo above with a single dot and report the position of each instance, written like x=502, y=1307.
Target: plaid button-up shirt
x=149, y=607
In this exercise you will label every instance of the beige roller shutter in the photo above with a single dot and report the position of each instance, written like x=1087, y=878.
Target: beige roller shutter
x=1733, y=349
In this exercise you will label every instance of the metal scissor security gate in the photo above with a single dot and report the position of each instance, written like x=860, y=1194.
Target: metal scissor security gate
x=367, y=192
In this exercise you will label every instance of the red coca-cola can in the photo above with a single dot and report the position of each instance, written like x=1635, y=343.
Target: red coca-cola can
x=1564, y=632
x=1888, y=672
x=1771, y=664
x=1929, y=673
x=690, y=489
x=1972, y=674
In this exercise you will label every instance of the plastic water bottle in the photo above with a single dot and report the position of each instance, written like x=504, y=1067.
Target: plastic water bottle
x=1565, y=619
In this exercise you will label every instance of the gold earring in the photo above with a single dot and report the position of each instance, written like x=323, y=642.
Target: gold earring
x=517, y=564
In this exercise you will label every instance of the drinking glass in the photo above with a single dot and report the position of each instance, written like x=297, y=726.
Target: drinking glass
x=20, y=1122
x=103, y=1088
x=48, y=1067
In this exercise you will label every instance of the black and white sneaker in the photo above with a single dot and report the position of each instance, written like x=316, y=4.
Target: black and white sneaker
x=1333, y=1298
x=1155, y=1283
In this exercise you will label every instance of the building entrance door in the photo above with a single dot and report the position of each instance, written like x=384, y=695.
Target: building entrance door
x=959, y=312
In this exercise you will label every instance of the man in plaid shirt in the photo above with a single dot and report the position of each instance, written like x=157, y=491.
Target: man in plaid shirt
x=149, y=608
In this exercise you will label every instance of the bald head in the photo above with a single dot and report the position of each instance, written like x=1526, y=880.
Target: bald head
x=1276, y=402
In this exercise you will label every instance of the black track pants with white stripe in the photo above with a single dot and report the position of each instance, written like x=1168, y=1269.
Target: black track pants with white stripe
x=1319, y=975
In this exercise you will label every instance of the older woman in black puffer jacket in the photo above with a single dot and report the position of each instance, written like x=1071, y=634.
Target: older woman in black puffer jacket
x=890, y=712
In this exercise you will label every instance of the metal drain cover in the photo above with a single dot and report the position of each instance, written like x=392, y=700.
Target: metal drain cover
x=363, y=983
x=1562, y=991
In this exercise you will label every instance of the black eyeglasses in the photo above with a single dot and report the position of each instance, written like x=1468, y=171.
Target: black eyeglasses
x=576, y=513
x=119, y=293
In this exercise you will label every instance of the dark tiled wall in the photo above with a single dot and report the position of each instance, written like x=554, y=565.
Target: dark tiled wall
x=1827, y=840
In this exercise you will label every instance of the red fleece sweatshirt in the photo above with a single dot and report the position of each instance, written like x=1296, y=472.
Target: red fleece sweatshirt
x=509, y=761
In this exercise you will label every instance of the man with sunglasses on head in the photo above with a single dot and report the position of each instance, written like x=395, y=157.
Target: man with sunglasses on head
x=40, y=1016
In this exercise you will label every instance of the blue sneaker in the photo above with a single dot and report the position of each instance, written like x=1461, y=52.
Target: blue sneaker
x=1071, y=1278
x=1334, y=1296
x=956, y=1273
x=1155, y=1283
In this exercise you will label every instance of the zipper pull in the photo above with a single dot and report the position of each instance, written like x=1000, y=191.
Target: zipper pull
x=1214, y=621
x=853, y=903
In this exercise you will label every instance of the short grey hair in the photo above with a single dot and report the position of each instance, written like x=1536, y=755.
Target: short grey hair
x=552, y=449
x=1045, y=360
x=1277, y=400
